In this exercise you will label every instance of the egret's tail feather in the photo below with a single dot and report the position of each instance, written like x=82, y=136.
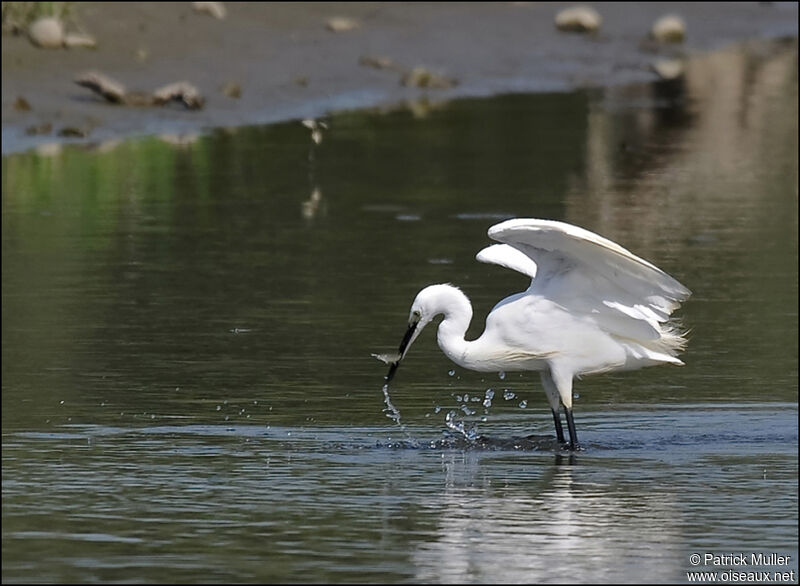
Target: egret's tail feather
x=674, y=336
x=662, y=350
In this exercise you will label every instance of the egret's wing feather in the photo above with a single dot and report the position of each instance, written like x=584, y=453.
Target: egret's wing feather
x=598, y=280
x=558, y=249
x=591, y=297
x=508, y=257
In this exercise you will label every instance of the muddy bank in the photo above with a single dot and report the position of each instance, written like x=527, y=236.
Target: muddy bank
x=278, y=61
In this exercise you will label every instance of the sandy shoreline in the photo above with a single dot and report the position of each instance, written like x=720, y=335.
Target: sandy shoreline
x=289, y=65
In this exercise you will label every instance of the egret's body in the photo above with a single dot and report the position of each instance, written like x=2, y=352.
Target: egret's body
x=592, y=307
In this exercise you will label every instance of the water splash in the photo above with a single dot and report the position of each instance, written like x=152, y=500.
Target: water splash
x=487, y=399
x=458, y=426
x=391, y=411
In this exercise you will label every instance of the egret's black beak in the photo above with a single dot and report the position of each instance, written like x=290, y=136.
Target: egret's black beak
x=412, y=327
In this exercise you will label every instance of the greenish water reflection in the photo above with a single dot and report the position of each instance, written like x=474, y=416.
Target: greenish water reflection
x=188, y=392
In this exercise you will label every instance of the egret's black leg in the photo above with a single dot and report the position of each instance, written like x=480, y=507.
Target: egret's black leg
x=559, y=429
x=573, y=436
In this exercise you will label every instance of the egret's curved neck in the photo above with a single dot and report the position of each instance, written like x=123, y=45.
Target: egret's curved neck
x=457, y=312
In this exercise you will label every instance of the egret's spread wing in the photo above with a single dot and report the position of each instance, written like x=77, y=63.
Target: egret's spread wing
x=595, y=276
x=508, y=257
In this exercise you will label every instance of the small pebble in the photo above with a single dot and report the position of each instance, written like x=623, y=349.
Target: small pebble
x=47, y=33
x=79, y=41
x=215, y=9
x=669, y=29
x=376, y=62
x=341, y=24
x=580, y=19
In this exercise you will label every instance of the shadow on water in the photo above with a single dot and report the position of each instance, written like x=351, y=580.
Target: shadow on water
x=188, y=391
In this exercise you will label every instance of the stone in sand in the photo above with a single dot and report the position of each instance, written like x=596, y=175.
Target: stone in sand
x=47, y=33
x=215, y=9
x=579, y=19
x=669, y=29
x=78, y=40
x=341, y=24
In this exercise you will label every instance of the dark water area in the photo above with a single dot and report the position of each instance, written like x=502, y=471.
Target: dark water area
x=187, y=387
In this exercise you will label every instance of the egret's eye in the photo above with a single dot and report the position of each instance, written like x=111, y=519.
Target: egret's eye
x=416, y=314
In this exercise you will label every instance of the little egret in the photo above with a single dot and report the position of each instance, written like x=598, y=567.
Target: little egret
x=592, y=307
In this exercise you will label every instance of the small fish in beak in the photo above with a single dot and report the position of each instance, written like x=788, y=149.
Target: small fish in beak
x=393, y=360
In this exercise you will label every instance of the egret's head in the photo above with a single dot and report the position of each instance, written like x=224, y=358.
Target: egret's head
x=427, y=305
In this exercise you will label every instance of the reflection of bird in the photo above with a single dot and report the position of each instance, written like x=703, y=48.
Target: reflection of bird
x=592, y=307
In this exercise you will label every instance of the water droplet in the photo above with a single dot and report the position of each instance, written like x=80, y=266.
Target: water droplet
x=523, y=404
x=502, y=375
x=458, y=398
x=61, y=402
x=436, y=409
x=466, y=397
x=576, y=395
x=219, y=407
x=451, y=372
x=508, y=395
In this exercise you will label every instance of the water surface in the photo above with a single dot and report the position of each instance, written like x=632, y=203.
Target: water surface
x=188, y=393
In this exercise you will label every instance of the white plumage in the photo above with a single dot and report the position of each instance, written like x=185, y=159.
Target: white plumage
x=592, y=306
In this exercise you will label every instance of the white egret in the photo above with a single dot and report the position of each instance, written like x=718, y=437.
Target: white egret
x=592, y=307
